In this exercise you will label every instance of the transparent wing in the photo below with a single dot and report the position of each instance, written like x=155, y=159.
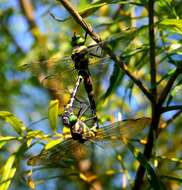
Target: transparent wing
x=60, y=75
x=122, y=130
x=68, y=151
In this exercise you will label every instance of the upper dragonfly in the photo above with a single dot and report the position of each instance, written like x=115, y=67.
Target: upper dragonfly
x=78, y=145
x=80, y=56
x=55, y=73
x=58, y=74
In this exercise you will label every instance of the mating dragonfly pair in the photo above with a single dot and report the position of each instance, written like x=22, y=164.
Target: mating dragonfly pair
x=81, y=135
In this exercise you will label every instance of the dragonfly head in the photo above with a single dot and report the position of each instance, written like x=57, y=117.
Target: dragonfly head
x=77, y=40
x=68, y=118
x=72, y=119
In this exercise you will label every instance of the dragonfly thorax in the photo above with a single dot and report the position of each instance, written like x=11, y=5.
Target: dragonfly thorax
x=79, y=130
x=80, y=57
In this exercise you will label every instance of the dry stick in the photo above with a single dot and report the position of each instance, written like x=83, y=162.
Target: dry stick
x=105, y=46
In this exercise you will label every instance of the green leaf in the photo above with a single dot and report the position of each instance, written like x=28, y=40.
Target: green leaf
x=114, y=82
x=8, y=173
x=176, y=89
x=53, y=143
x=174, y=25
x=7, y=138
x=179, y=180
x=53, y=113
x=37, y=134
x=13, y=121
x=93, y=7
x=2, y=143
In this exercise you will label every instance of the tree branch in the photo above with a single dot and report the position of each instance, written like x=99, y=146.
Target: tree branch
x=169, y=85
x=173, y=117
x=88, y=28
x=156, y=109
x=28, y=11
x=171, y=108
x=152, y=48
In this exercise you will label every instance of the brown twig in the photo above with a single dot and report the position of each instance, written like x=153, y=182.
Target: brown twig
x=28, y=11
x=80, y=20
x=105, y=46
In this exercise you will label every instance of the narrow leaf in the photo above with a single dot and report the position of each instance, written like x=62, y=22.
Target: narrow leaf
x=8, y=173
x=7, y=138
x=53, y=143
x=13, y=121
x=53, y=114
x=174, y=25
x=114, y=82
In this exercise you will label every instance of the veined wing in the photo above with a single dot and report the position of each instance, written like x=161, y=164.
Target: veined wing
x=60, y=78
x=122, y=130
x=67, y=151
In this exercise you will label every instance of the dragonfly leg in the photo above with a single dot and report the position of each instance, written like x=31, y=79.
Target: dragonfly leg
x=80, y=101
x=95, y=55
x=86, y=34
x=81, y=113
x=96, y=121
x=94, y=117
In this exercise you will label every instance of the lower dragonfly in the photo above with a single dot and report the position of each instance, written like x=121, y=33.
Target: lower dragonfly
x=78, y=145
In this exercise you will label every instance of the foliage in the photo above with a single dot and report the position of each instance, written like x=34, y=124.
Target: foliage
x=140, y=75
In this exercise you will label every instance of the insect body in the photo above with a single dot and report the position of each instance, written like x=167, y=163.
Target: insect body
x=80, y=56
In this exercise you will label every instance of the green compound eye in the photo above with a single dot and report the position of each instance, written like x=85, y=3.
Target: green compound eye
x=72, y=119
x=77, y=40
x=80, y=41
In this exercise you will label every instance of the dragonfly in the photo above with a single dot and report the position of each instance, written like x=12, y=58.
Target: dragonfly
x=78, y=145
x=54, y=71
x=88, y=61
